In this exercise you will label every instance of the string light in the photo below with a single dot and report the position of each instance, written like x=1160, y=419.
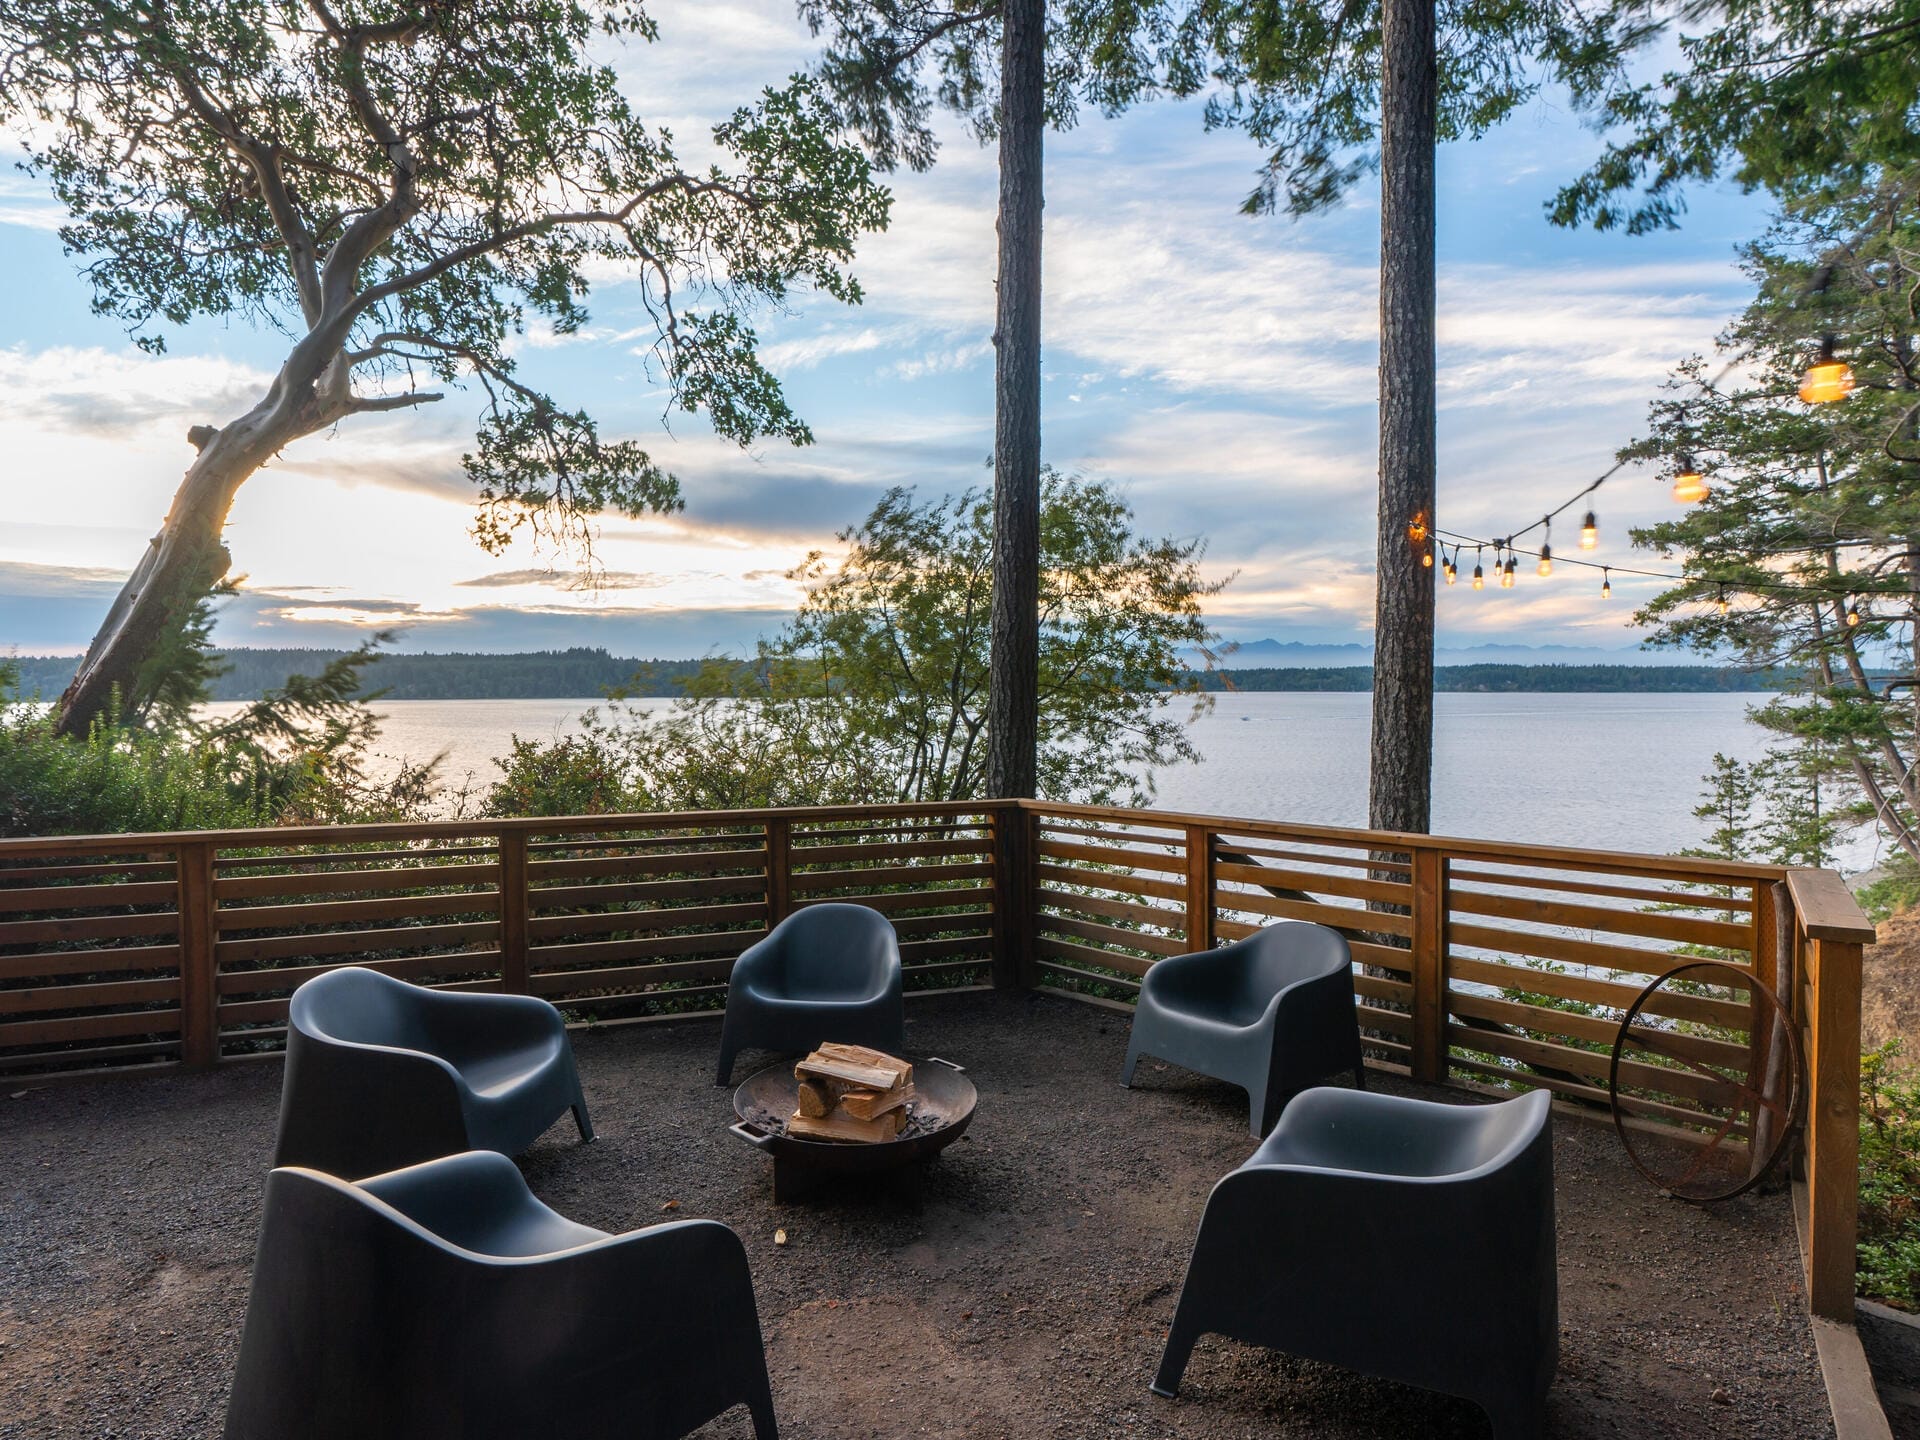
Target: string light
x=1606, y=583
x=1689, y=485
x=1479, y=577
x=1426, y=559
x=1828, y=379
x=1723, y=600
x=1451, y=566
x=1417, y=528
x=1506, y=573
x=1589, y=532
x=1853, y=614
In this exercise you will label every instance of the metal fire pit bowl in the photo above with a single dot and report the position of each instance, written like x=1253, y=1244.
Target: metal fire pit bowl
x=942, y=1109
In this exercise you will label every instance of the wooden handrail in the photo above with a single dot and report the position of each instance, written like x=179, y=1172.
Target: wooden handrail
x=1825, y=909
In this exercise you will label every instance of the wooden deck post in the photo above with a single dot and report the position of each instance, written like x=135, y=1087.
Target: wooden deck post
x=1833, y=1128
x=199, y=992
x=1200, y=874
x=1014, y=858
x=779, y=869
x=515, y=900
x=1836, y=931
x=1429, y=966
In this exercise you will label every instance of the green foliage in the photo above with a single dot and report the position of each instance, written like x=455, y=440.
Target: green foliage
x=297, y=755
x=1769, y=809
x=876, y=690
x=401, y=189
x=1889, y=1244
x=1303, y=77
x=1897, y=889
x=1771, y=91
x=1814, y=510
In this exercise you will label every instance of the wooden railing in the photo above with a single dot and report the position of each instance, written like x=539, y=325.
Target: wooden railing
x=1481, y=963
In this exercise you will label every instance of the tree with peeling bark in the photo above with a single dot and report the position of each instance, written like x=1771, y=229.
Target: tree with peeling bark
x=1012, y=67
x=400, y=187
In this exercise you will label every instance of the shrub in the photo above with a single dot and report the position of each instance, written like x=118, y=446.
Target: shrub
x=1889, y=1247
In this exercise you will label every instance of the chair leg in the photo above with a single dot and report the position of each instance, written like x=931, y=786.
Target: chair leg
x=582, y=1119
x=724, y=1075
x=760, y=1406
x=1173, y=1360
x=1126, y=1070
x=1360, y=1074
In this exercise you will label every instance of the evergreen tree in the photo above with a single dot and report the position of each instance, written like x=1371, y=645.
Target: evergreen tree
x=1810, y=533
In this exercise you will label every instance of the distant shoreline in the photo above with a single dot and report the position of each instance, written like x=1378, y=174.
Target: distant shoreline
x=587, y=674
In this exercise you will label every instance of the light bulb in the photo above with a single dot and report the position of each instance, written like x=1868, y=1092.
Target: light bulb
x=1606, y=585
x=1590, y=532
x=1689, y=485
x=1724, y=605
x=1546, y=560
x=1828, y=379
x=1453, y=572
x=1479, y=578
x=1853, y=614
x=1506, y=575
x=1426, y=559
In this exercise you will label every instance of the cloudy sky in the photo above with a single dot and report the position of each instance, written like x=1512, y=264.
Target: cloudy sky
x=1218, y=368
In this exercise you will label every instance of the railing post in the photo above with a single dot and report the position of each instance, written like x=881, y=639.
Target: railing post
x=1766, y=1050
x=1833, y=1128
x=779, y=869
x=1014, y=885
x=515, y=900
x=1200, y=872
x=199, y=993
x=1429, y=965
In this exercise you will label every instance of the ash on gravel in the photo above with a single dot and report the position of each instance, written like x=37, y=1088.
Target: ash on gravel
x=1019, y=1286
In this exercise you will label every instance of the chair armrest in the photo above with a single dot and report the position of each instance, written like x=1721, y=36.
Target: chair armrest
x=481, y=1179
x=755, y=958
x=469, y=1021
x=1170, y=970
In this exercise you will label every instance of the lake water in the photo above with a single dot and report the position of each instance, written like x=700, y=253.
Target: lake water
x=1605, y=771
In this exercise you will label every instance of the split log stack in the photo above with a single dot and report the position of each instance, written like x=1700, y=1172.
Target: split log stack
x=848, y=1092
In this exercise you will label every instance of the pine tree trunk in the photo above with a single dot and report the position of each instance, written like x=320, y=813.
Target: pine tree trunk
x=180, y=565
x=1013, y=699
x=1400, y=795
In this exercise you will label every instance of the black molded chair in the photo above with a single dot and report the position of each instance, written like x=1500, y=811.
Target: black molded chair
x=444, y=1302
x=382, y=1074
x=1273, y=1014
x=1403, y=1238
x=828, y=972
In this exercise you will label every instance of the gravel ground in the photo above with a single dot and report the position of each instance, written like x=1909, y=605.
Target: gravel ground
x=1019, y=1286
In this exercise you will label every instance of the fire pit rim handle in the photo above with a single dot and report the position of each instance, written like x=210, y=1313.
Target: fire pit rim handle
x=752, y=1134
x=936, y=1060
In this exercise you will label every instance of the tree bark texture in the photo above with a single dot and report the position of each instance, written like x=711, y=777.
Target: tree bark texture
x=1400, y=792
x=1013, y=700
x=184, y=560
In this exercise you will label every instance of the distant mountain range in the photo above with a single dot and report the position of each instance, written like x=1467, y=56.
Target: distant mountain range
x=587, y=674
x=1296, y=654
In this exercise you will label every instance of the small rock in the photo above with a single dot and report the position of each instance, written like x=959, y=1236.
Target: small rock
x=671, y=1205
x=779, y=1237
x=1720, y=1395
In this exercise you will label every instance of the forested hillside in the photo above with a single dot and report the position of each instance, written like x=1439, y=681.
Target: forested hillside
x=587, y=674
